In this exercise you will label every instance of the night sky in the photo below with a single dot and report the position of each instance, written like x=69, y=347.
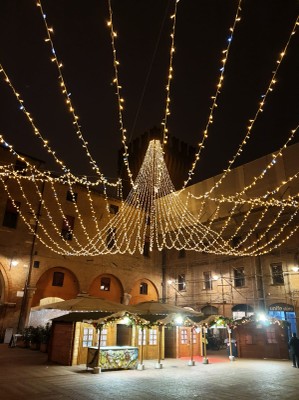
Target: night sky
x=82, y=42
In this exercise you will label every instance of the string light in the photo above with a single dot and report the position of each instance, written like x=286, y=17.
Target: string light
x=170, y=76
x=153, y=213
x=214, y=98
x=251, y=121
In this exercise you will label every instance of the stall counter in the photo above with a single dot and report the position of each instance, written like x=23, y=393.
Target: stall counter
x=113, y=357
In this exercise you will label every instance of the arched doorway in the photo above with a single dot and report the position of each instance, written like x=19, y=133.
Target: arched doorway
x=108, y=287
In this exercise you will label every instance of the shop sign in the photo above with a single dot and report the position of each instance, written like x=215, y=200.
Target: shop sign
x=281, y=307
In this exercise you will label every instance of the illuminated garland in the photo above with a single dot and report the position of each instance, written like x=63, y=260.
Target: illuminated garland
x=251, y=121
x=216, y=95
x=153, y=213
x=170, y=76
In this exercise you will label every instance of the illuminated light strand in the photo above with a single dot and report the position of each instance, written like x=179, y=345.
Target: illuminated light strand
x=145, y=202
x=120, y=99
x=65, y=92
x=64, y=217
x=269, y=89
x=216, y=95
x=58, y=249
x=45, y=142
x=35, y=129
x=174, y=226
x=169, y=208
x=259, y=251
x=49, y=216
x=170, y=76
x=258, y=177
x=254, y=229
x=118, y=87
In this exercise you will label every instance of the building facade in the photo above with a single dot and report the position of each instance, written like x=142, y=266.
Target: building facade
x=32, y=272
x=240, y=286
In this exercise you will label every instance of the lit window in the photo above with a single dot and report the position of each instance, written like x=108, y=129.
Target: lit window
x=184, y=336
x=143, y=288
x=104, y=336
x=140, y=337
x=58, y=278
x=207, y=280
x=153, y=338
x=87, y=337
x=239, y=277
x=277, y=274
x=105, y=284
x=11, y=214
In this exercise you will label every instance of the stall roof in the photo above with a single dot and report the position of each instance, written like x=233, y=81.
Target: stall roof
x=80, y=316
x=87, y=303
x=158, y=308
x=90, y=315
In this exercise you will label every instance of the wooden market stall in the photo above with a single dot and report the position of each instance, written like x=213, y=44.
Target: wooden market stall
x=115, y=357
x=262, y=339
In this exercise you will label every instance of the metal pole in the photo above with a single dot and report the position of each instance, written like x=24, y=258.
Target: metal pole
x=205, y=360
x=24, y=312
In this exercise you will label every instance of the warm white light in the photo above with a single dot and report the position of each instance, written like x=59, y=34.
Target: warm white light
x=179, y=320
x=14, y=263
x=261, y=317
x=125, y=321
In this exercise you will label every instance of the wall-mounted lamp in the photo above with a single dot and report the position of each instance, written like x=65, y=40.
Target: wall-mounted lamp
x=13, y=263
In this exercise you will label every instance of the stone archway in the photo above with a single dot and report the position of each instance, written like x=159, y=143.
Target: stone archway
x=209, y=310
x=57, y=282
x=143, y=290
x=107, y=286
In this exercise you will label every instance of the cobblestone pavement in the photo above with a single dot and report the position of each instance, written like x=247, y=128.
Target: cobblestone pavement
x=26, y=374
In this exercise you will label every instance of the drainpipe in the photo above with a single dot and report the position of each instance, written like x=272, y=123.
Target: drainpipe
x=259, y=282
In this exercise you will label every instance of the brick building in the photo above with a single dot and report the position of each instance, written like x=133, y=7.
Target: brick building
x=31, y=273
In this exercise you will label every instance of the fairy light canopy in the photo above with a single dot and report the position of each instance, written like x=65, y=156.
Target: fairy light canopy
x=154, y=215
